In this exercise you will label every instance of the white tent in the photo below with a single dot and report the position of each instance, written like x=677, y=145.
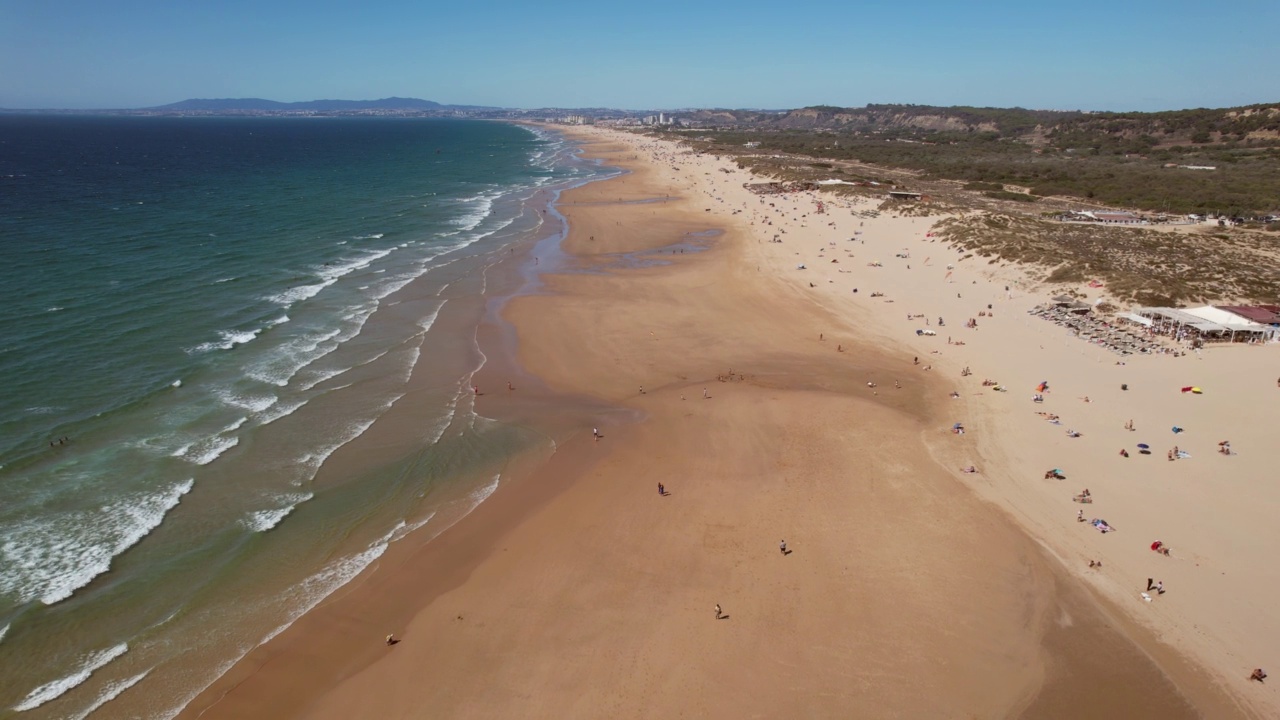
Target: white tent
x=1232, y=322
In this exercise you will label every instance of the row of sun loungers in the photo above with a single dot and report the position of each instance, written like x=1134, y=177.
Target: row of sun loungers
x=1118, y=340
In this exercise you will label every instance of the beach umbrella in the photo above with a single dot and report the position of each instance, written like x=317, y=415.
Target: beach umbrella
x=1143, y=446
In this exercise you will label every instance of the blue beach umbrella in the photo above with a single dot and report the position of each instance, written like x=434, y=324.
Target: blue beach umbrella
x=1143, y=446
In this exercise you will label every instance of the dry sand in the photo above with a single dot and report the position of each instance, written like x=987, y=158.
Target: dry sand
x=578, y=591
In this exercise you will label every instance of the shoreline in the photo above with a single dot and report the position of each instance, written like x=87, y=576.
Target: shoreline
x=511, y=274
x=361, y=674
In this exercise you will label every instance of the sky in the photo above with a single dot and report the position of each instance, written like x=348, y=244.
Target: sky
x=1090, y=55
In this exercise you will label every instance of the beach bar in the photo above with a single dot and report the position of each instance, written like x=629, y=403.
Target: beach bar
x=1208, y=324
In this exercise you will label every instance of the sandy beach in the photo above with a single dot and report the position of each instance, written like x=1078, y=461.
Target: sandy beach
x=776, y=404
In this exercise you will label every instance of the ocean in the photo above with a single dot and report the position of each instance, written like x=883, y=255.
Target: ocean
x=196, y=314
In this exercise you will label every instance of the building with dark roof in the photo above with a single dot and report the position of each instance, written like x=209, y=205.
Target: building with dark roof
x=1265, y=314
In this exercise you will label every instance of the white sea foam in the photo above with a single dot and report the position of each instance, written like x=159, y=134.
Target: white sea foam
x=342, y=269
x=403, y=529
x=425, y=322
x=192, y=692
x=503, y=225
x=55, y=308
x=312, y=591
x=285, y=361
x=235, y=425
x=57, y=688
x=392, y=286
x=447, y=420
x=316, y=459
x=51, y=556
x=264, y=520
x=320, y=376
x=294, y=295
x=110, y=692
x=252, y=403
x=193, y=451
x=289, y=359
x=227, y=339
x=481, y=494
x=281, y=410
x=374, y=236
x=208, y=450
x=278, y=321
x=481, y=205
x=4, y=631
x=176, y=384
x=222, y=280
x=323, y=375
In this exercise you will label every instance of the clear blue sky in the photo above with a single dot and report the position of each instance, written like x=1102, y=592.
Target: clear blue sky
x=1118, y=55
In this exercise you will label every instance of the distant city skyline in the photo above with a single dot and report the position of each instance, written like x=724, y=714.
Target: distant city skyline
x=1088, y=55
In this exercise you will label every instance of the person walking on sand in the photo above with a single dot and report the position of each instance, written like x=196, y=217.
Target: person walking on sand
x=662, y=489
x=782, y=546
x=595, y=432
x=705, y=395
x=719, y=612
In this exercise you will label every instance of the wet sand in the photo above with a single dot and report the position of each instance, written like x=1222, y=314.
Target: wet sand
x=577, y=590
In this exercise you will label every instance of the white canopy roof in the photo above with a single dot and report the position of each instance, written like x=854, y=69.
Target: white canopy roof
x=1206, y=319
x=1226, y=319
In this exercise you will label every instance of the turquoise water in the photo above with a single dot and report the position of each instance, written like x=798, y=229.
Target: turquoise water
x=195, y=315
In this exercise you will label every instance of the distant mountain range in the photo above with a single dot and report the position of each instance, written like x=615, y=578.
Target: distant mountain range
x=232, y=105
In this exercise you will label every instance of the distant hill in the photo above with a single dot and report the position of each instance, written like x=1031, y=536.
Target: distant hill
x=1223, y=161
x=228, y=105
x=1105, y=132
